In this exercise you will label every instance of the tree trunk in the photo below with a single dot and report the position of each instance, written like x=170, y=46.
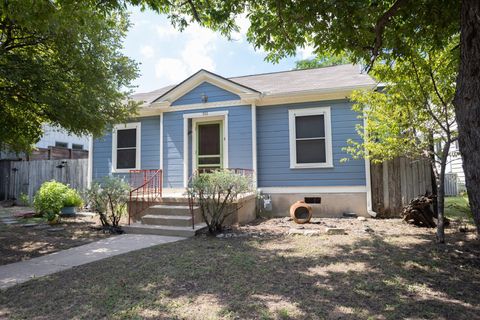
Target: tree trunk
x=441, y=195
x=433, y=172
x=467, y=102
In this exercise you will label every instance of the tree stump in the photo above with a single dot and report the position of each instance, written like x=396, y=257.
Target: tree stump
x=419, y=212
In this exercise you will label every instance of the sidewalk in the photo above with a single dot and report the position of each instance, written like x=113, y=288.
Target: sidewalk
x=19, y=272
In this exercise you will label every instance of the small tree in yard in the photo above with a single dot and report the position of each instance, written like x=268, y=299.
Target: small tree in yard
x=216, y=194
x=413, y=113
x=108, y=199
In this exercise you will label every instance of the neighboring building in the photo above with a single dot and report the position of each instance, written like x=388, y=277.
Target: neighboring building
x=454, y=175
x=288, y=127
x=57, y=139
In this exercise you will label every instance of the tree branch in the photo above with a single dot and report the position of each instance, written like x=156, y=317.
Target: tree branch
x=196, y=16
x=380, y=25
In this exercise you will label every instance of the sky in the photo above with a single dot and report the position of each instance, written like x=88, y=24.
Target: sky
x=167, y=56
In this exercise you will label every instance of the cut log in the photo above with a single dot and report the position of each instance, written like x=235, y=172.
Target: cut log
x=419, y=212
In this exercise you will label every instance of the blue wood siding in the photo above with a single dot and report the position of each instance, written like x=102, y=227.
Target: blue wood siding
x=213, y=93
x=239, y=142
x=274, y=153
x=150, y=148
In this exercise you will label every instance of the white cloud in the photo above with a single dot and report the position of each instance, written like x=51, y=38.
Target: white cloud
x=196, y=53
x=307, y=52
x=243, y=23
x=169, y=70
x=166, y=30
x=147, y=51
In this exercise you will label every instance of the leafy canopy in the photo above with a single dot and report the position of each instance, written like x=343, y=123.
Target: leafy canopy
x=413, y=110
x=364, y=28
x=322, y=61
x=61, y=63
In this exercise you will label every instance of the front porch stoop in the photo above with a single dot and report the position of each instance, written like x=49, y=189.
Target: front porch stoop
x=170, y=218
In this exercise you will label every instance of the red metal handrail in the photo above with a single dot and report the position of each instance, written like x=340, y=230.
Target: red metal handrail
x=147, y=186
x=241, y=171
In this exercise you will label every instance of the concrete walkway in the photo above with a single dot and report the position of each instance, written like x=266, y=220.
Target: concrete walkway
x=19, y=272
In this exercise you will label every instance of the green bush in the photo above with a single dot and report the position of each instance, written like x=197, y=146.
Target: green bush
x=50, y=197
x=216, y=194
x=24, y=200
x=108, y=198
x=72, y=199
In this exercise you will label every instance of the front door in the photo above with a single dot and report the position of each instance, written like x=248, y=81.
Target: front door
x=209, y=146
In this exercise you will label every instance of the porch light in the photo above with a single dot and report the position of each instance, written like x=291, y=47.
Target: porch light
x=204, y=98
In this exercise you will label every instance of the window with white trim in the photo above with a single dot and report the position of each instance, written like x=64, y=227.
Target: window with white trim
x=126, y=147
x=310, y=138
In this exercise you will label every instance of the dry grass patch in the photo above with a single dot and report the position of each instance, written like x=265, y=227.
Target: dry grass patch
x=380, y=275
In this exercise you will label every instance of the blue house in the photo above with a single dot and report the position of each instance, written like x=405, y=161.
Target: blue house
x=288, y=127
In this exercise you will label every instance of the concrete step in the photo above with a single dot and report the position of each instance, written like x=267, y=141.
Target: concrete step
x=138, y=228
x=174, y=200
x=168, y=220
x=170, y=210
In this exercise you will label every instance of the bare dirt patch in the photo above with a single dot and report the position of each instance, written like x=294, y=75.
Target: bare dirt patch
x=395, y=272
x=26, y=238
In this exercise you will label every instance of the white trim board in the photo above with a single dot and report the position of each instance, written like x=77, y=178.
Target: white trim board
x=311, y=190
x=254, y=143
x=161, y=142
x=205, y=76
x=261, y=100
x=205, y=116
x=292, y=114
x=90, y=161
x=138, y=158
x=196, y=121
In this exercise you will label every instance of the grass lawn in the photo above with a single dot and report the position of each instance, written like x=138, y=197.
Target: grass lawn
x=394, y=272
x=458, y=208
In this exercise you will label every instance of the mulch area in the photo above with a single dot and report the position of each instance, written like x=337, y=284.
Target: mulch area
x=23, y=237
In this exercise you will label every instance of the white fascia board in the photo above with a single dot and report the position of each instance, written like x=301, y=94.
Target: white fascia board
x=314, y=190
x=309, y=95
x=204, y=76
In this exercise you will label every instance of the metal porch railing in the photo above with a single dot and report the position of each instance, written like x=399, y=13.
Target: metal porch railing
x=147, y=188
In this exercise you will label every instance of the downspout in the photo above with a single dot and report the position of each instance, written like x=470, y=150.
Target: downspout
x=254, y=143
x=368, y=179
x=90, y=161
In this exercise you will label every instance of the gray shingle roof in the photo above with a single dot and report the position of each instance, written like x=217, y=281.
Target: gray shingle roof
x=148, y=97
x=303, y=80
x=335, y=77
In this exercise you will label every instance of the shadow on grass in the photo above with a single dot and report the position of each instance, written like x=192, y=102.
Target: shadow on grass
x=338, y=277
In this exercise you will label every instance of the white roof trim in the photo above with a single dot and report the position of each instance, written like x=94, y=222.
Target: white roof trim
x=199, y=78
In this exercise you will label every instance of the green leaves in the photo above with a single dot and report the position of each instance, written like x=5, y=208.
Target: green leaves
x=60, y=63
x=413, y=110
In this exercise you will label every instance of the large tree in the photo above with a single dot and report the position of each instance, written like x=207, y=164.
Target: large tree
x=61, y=63
x=412, y=113
x=322, y=61
x=371, y=30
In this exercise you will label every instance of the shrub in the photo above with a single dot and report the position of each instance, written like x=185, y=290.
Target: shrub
x=72, y=199
x=216, y=193
x=24, y=199
x=49, y=198
x=108, y=199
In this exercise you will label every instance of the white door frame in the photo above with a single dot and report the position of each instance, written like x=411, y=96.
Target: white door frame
x=198, y=118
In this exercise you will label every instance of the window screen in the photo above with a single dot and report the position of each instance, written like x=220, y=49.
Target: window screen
x=310, y=139
x=126, y=148
x=77, y=146
x=61, y=144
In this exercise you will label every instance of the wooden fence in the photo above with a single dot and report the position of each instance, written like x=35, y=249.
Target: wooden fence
x=26, y=177
x=395, y=183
